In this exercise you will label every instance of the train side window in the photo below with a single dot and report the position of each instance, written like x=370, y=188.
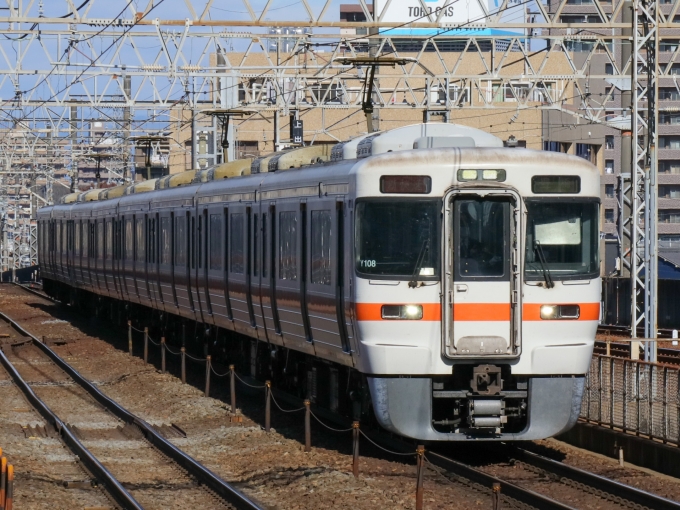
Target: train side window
x=200, y=235
x=193, y=243
x=256, y=251
x=180, y=242
x=109, y=240
x=86, y=238
x=236, y=262
x=100, y=239
x=165, y=240
x=216, y=241
x=129, y=243
x=139, y=244
x=288, y=246
x=321, y=247
x=265, y=247
x=77, y=246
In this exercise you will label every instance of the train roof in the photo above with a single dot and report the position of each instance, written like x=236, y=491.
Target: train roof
x=398, y=149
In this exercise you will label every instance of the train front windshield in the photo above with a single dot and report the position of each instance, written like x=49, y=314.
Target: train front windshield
x=562, y=239
x=398, y=238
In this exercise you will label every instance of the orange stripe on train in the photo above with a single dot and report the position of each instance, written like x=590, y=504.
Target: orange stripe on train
x=478, y=312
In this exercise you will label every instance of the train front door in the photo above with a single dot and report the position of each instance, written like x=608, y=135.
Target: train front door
x=482, y=274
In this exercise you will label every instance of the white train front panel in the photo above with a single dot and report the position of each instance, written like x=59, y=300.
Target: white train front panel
x=477, y=299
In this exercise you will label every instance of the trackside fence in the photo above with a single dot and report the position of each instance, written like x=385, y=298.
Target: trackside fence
x=633, y=396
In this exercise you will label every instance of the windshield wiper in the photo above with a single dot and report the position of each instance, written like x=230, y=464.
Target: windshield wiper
x=544, y=265
x=419, y=262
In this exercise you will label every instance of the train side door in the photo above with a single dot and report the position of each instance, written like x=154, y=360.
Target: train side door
x=323, y=278
x=194, y=256
x=256, y=264
x=482, y=273
x=267, y=271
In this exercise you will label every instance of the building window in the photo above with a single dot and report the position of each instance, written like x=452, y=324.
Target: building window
x=670, y=166
x=552, y=146
x=609, y=166
x=669, y=191
x=668, y=45
x=672, y=118
x=609, y=215
x=608, y=69
x=609, y=93
x=669, y=94
x=669, y=142
x=609, y=190
x=669, y=216
x=669, y=241
x=586, y=151
x=609, y=142
x=675, y=69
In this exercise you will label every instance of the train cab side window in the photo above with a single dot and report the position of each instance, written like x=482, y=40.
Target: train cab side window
x=321, y=248
x=288, y=246
x=165, y=240
x=236, y=260
x=180, y=242
x=216, y=242
x=129, y=243
x=139, y=244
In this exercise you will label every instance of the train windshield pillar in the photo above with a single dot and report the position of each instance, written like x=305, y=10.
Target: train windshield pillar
x=482, y=312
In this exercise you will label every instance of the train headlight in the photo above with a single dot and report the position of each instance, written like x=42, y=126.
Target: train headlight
x=557, y=312
x=402, y=312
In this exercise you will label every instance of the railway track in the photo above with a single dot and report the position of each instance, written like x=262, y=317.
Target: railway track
x=622, y=350
x=533, y=485
x=525, y=479
x=105, y=436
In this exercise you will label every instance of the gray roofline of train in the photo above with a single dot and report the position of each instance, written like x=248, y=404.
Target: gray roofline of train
x=245, y=183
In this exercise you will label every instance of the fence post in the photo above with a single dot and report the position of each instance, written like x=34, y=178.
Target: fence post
x=625, y=394
x=267, y=406
x=9, y=498
x=130, y=337
x=611, y=392
x=146, y=345
x=3, y=481
x=163, y=354
x=308, y=426
x=496, y=496
x=207, y=375
x=232, y=388
x=355, y=448
x=665, y=404
x=183, y=352
x=420, y=452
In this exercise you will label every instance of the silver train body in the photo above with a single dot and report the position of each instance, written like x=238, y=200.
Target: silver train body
x=459, y=277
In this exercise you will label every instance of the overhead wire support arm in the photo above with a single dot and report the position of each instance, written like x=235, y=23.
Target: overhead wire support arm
x=372, y=63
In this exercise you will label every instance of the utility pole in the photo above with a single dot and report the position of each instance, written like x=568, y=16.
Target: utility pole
x=644, y=247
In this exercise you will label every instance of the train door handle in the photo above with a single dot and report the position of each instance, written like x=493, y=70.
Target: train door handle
x=461, y=288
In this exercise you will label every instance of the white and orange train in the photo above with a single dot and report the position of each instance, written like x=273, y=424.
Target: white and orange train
x=447, y=282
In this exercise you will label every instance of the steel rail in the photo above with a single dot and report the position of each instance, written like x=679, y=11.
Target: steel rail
x=664, y=355
x=517, y=492
x=616, y=489
x=225, y=490
x=96, y=468
x=461, y=469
